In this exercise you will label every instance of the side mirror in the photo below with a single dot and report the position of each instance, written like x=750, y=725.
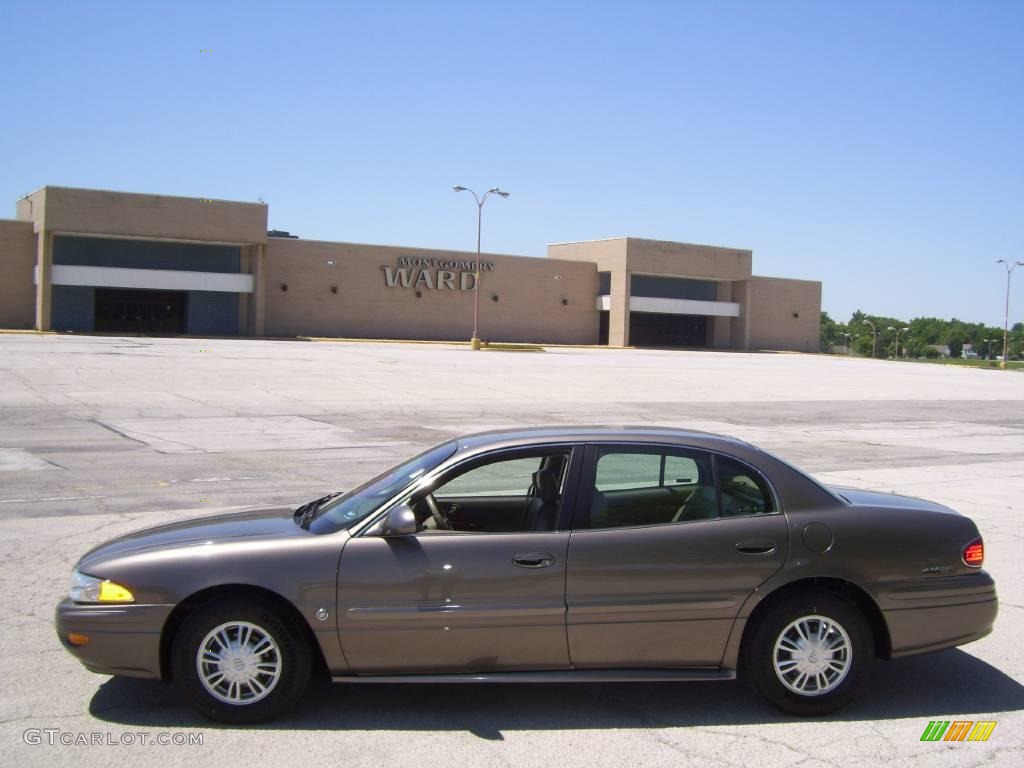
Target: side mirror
x=400, y=521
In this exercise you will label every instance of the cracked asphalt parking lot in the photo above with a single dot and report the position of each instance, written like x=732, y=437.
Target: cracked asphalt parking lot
x=101, y=435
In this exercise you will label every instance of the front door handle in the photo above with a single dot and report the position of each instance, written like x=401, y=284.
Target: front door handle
x=534, y=560
x=755, y=547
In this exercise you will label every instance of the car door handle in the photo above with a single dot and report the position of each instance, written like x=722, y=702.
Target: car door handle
x=534, y=560
x=755, y=547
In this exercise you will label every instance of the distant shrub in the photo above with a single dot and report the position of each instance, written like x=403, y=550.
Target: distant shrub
x=931, y=353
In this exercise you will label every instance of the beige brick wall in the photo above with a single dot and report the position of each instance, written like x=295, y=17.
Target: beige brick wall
x=720, y=328
x=784, y=314
x=609, y=256
x=739, y=327
x=529, y=307
x=17, y=260
x=658, y=257
x=126, y=214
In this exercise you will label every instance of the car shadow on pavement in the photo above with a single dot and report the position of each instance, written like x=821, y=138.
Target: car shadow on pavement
x=941, y=684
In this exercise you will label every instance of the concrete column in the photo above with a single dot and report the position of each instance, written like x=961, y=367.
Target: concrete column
x=44, y=288
x=720, y=330
x=618, y=317
x=741, y=324
x=244, y=299
x=257, y=300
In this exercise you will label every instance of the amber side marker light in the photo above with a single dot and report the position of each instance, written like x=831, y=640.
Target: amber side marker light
x=76, y=639
x=974, y=553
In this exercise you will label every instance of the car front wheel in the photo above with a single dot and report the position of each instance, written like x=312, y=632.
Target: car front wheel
x=809, y=655
x=240, y=662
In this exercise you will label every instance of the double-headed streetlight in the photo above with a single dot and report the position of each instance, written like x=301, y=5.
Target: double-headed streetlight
x=474, y=343
x=874, y=336
x=1006, y=313
x=897, y=331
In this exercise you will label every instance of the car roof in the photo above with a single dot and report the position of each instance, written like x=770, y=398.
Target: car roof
x=516, y=436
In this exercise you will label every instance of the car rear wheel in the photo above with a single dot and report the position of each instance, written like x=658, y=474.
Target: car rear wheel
x=808, y=655
x=239, y=662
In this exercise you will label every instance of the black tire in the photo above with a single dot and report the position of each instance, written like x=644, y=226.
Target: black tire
x=293, y=654
x=759, y=652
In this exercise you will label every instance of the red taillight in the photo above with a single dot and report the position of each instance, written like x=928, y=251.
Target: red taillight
x=974, y=553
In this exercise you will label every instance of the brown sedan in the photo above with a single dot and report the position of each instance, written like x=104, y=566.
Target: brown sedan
x=539, y=555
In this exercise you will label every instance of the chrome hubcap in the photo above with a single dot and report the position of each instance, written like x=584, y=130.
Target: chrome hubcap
x=238, y=663
x=812, y=655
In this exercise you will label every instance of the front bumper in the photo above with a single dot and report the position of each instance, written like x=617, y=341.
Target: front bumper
x=122, y=639
x=930, y=614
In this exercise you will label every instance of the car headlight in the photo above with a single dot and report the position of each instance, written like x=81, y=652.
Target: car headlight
x=89, y=589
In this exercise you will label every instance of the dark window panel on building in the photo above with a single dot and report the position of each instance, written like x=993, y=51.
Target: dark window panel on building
x=657, y=287
x=145, y=254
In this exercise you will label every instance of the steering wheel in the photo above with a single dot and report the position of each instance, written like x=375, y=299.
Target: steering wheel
x=435, y=512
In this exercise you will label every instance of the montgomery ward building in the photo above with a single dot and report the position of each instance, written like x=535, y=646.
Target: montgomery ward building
x=91, y=260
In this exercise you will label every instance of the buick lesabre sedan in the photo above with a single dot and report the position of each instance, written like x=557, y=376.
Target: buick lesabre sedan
x=539, y=555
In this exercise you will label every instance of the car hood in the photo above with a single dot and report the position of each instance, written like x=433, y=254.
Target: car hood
x=861, y=498
x=270, y=522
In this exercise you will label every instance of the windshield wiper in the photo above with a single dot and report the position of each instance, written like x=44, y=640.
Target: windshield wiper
x=305, y=514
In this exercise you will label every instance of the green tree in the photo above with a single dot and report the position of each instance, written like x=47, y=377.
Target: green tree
x=827, y=333
x=922, y=332
x=955, y=339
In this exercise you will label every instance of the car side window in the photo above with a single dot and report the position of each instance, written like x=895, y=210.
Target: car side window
x=742, y=490
x=502, y=478
x=650, y=487
x=627, y=471
x=503, y=495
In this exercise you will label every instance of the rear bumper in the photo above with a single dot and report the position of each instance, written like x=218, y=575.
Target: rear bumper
x=942, y=612
x=122, y=639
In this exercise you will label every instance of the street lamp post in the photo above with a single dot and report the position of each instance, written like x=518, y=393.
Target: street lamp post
x=874, y=338
x=898, y=331
x=1006, y=312
x=474, y=343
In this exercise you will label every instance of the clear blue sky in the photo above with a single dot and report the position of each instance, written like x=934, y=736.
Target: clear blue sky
x=876, y=146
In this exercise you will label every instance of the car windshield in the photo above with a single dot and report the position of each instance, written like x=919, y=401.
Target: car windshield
x=347, y=510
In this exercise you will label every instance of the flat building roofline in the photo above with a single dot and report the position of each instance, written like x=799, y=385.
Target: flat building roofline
x=143, y=194
x=595, y=240
x=784, y=279
x=655, y=240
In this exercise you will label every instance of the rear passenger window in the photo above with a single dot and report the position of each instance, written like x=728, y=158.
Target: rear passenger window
x=681, y=470
x=625, y=471
x=742, y=490
x=651, y=487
